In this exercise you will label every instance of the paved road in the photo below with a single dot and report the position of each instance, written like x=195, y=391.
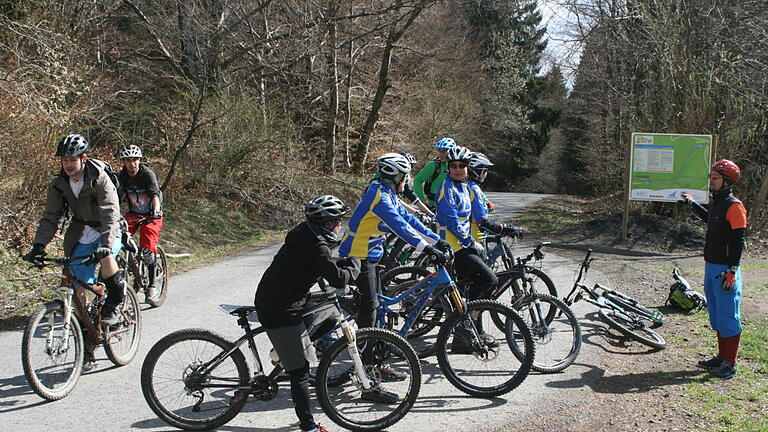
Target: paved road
x=192, y=301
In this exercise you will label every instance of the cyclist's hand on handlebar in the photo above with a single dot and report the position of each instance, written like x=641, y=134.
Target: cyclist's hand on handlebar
x=438, y=257
x=101, y=253
x=349, y=262
x=157, y=214
x=478, y=248
x=443, y=245
x=513, y=231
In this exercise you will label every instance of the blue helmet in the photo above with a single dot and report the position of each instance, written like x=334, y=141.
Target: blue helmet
x=445, y=144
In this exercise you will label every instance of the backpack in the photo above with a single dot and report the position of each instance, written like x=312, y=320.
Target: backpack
x=428, y=184
x=683, y=297
x=107, y=168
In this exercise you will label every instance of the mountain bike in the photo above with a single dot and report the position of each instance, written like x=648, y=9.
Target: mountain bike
x=63, y=334
x=618, y=310
x=493, y=364
x=195, y=379
x=556, y=330
x=136, y=271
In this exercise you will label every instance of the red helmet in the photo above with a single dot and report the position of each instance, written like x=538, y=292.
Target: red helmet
x=727, y=169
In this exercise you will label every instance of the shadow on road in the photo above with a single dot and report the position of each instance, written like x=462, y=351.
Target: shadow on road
x=597, y=334
x=13, y=391
x=595, y=379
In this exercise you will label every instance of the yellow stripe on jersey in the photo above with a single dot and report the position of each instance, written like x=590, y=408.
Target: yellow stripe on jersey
x=370, y=225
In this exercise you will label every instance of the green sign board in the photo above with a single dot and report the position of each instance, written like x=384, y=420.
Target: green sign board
x=663, y=166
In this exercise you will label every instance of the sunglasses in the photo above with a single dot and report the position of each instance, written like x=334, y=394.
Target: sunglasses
x=457, y=165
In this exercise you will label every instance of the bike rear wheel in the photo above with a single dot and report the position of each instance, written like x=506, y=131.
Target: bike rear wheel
x=180, y=394
x=344, y=402
x=484, y=370
x=53, y=371
x=632, y=327
x=161, y=278
x=558, y=341
x=122, y=346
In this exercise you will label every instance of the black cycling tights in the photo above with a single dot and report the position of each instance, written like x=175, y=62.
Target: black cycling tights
x=368, y=284
x=300, y=396
x=470, y=266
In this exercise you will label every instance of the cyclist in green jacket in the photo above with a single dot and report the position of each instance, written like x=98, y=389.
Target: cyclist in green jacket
x=427, y=182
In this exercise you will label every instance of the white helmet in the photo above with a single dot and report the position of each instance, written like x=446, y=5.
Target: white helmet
x=458, y=153
x=130, y=151
x=324, y=209
x=392, y=164
x=478, y=162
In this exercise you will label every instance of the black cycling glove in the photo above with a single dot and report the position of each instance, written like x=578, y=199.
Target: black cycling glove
x=38, y=251
x=437, y=256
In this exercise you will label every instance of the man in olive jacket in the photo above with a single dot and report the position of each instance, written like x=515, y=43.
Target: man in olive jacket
x=87, y=191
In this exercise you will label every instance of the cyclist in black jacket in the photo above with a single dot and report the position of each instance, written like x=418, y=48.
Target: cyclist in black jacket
x=283, y=291
x=726, y=219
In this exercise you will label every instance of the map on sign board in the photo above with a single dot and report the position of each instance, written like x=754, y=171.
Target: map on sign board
x=663, y=166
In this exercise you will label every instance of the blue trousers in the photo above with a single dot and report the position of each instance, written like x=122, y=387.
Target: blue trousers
x=87, y=272
x=723, y=306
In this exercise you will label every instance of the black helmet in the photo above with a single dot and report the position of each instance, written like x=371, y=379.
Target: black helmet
x=72, y=145
x=324, y=209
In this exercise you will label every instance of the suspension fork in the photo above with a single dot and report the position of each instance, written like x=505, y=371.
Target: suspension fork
x=66, y=299
x=354, y=353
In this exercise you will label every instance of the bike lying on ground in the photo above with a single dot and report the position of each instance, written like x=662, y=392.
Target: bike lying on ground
x=63, y=334
x=618, y=310
x=195, y=379
x=137, y=271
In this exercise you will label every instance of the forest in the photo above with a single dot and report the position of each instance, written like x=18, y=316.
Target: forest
x=259, y=105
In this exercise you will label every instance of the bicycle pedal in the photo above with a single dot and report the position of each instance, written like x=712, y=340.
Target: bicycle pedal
x=239, y=396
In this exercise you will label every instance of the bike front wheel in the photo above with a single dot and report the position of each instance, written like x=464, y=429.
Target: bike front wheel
x=480, y=358
x=123, y=339
x=390, y=363
x=633, y=328
x=161, y=278
x=191, y=383
x=557, y=341
x=52, y=363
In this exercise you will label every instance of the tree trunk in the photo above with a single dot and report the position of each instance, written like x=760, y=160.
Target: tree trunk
x=758, y=216
x=361, y=152
x=333, y=99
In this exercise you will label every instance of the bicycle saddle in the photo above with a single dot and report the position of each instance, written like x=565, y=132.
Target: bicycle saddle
x=246, y=311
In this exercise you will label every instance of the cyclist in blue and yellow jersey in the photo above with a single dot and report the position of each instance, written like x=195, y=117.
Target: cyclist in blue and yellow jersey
x=454, y=210
x=477, y=171
x=427, y=182
x=416, y=205
x=377, y=213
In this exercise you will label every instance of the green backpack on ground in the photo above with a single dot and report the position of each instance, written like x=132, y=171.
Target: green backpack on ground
x=683, y=297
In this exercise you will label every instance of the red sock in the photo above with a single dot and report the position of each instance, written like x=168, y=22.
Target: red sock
x=720, y=346
x=731, y=348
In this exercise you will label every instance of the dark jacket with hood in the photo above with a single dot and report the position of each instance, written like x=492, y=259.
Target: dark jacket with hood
x=305, y=256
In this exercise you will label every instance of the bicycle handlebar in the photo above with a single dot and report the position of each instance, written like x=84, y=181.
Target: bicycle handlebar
x=41, y=261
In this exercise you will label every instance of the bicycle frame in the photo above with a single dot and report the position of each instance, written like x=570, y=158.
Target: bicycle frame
x=437, y=282
x=596, y=298
x=72, y=292
x=250, y=333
